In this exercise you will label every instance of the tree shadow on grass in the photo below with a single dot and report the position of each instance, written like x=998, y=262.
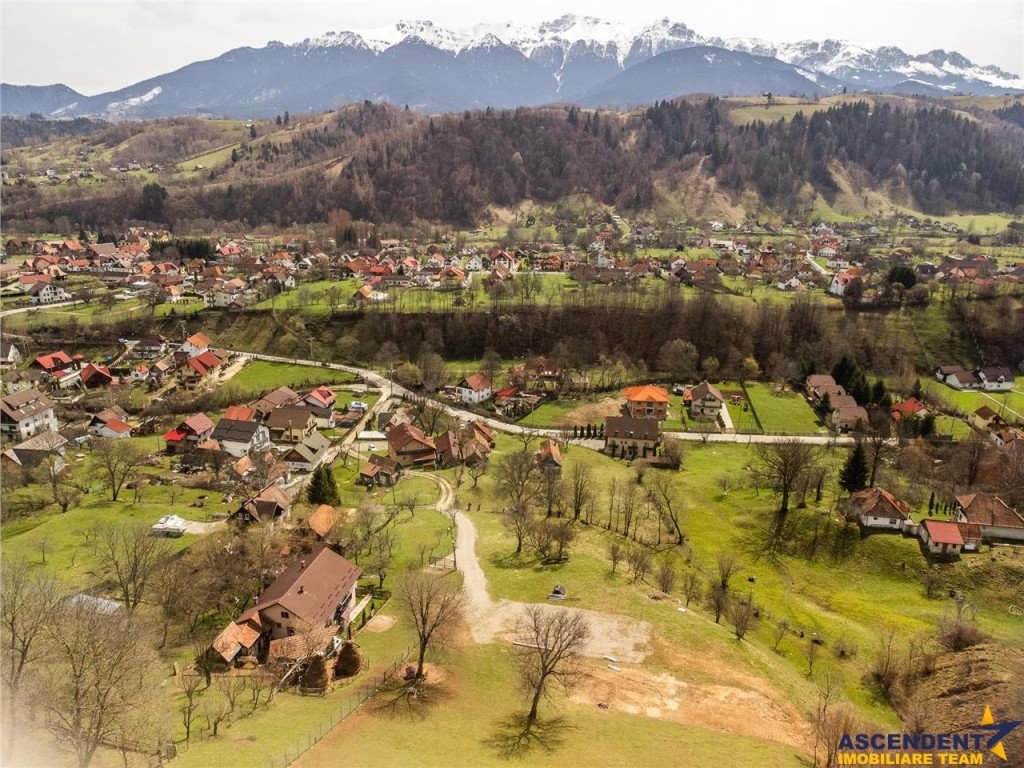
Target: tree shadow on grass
x=400, y=698
x=514, y=738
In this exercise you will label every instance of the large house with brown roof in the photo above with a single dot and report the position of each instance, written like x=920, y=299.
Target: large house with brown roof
x=628, y=438
x=410, y=447
x=647, y=401
x=268, y=506
x=877, y=508
x=190, y=433
x=272, y=400
x=25, y=413
x=994, y=517
x=705, y=402
x=473, y=389
x=313, y=597
x=291, y=424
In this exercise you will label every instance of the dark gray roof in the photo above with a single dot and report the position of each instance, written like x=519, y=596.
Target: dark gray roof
x=624, y=427
x=234, y=430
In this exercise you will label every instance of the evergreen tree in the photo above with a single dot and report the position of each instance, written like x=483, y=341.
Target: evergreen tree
x=322, y=488
x=917, y=391
x=854, y=475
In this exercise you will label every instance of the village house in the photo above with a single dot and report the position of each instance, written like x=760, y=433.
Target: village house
x=239, y=437
x=877, y=508
x=627, y=437
x=10, y=355
x=273, y=400
x=908, y=409
x=380, y=470
x=199, y=371
x=184, y=438
x=549, y=457
x=37, y=449
x=942, y=538
x=846, y=417
x=449, y=451
x=313, y=598
x=25, y=413
x=538, y=374
x=290, y=424
x=308, y=454
x=473, y=389
x=111, y=423
x=320, y=523
x=995, y=518
x=410, y=447
x=271, y=504
x=996, y=378
x=647, y=401
x=194, y=345
x=97, y=376
x=150, y=347
x=706, y=402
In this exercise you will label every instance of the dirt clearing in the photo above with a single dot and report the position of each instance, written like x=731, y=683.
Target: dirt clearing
x=720, y=707
x=590, y=413
x=380, y=623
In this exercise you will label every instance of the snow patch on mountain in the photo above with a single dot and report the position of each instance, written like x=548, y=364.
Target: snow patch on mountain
x=124, y=106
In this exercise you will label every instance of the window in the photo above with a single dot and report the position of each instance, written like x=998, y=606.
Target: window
x=284, y=615
x=291, y=631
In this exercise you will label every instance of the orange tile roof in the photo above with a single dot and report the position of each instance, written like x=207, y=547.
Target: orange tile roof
x=647, y=393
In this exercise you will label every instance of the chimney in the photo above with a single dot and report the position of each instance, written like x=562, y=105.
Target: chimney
x=301, y=589
x=302, y=564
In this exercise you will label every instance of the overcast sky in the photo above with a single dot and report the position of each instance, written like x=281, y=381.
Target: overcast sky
x=99, y=46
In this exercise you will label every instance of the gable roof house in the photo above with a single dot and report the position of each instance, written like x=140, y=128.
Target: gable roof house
x=380, y=470
x=271, y=504
x=314, y=595
x=273, y=400
x=10, y=355
x=706, y=402
x=628, y=438
x=239, y=437
x=549, y=457
x=473, y=389
x=321, y=521
x=996, y=378
x=995, y=518
x=190, y=433
x=942, y=538
x=846, y=417
x=25, y=413
x=199, y=370
x=111, y=423
x=35, y=450
x=410, y=447
x=290, y=424
x=194, y=345
x=877, y=508
x=307, y=455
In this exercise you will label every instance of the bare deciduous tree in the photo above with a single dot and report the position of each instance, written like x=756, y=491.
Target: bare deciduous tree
x=670, y=501
x=191, y=690
x=691, y=586
x=779, y=633
x=27, y=602
x=781, y=465
x=666, y=577
x=433, y=606
x=97, y=677
x=742, y=613
x=718, y=601
x=517, y=520
x=639, y=560
x=615, y=554
x=550, y=646
x=728, y=566
x=581, y=487
x=117, y=461
x=131, y=556
x=519, y=478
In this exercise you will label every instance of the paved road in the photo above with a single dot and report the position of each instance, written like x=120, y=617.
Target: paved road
x=55, y=305
x=397, y=390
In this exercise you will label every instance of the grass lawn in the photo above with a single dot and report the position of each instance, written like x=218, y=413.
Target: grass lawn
x=969, y=402
x=544, y=415
x=460, y=723
x=782, y=412
x=262, y=376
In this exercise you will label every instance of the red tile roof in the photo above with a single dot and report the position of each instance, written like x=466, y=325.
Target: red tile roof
x=944, y=532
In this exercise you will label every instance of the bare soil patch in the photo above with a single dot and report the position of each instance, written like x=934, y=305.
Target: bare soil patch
x=720, y=707
x=591, y=413
x=380, y=623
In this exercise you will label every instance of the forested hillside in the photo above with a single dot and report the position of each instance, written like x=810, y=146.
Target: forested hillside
x=383, y=164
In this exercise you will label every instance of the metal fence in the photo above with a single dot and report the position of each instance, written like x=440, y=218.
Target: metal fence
x=349, y=704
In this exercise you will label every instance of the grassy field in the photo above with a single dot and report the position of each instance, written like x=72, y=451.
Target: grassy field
x=264, y=377
x=782, y=412
x=969, y=402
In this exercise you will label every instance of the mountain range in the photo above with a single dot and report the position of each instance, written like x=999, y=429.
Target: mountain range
x=571, y=59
